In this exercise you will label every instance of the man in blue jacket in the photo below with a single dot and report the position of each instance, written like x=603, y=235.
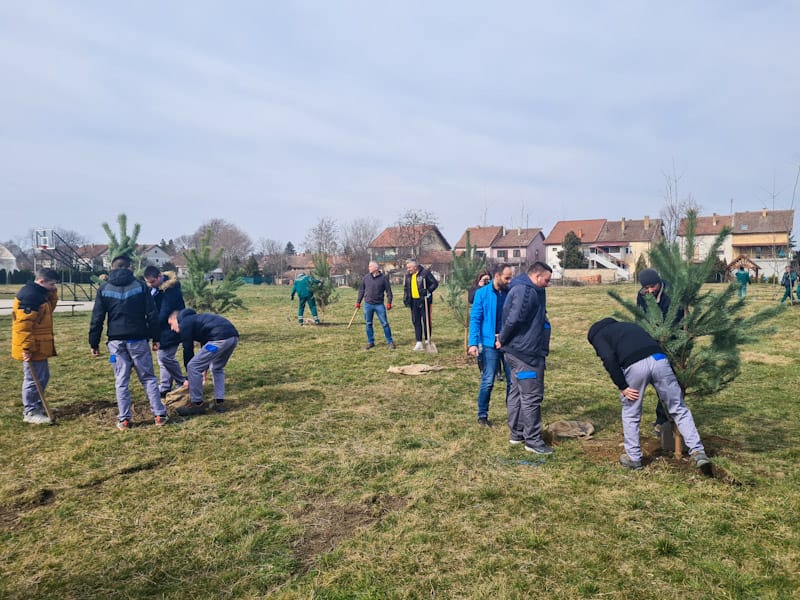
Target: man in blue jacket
x=218, y=339
x=166, y=291
x=132, y=322
x=485, y=320
x=525, y=341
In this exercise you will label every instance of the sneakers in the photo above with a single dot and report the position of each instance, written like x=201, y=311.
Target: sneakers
x=219, y=406
x=515, y=441
x=627, y=462
x=37, y=418
x=161, y=420
x=539, y=448
x=368, y=346
x=418, y=347
x=124, y=425
x=392, y=346
x=194, y=409
x=484, y=422
x=699, y=457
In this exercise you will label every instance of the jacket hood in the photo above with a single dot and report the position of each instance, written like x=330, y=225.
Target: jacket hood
x=170, y=280
x=120, y=276
x=186, y=312
x=601, y=324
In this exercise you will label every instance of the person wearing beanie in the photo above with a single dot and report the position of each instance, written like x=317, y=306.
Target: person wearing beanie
x=634, y=360
x=652, y=284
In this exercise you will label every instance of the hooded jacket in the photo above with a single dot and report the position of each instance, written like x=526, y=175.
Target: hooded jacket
x=32, y=322
x=619, y=345
x=132, y=313
x=526, y=331
x=302, y=286
x=168, y=298
x=202, y=328
x=663, y=300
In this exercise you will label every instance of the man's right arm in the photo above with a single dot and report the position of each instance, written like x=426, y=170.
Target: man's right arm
x=96, y=325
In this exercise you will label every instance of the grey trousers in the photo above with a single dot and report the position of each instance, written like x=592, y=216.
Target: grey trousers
x=213, y=355
x=524, y=400
x=125, y=355
x=659, y=372
x=169, y=369
x=31, y=401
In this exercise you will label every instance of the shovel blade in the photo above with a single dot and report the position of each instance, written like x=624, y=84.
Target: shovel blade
x=430, y=347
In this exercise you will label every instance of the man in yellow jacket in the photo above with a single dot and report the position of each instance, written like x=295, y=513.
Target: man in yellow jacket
x=32, y=339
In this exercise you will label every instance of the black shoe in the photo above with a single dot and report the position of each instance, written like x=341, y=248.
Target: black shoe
x=219, y=406
x=541, y=448
x=368, y=346
x=194, y=409
x=484, y=422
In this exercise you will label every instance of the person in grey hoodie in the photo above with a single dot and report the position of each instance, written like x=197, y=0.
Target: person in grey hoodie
x=524, y=338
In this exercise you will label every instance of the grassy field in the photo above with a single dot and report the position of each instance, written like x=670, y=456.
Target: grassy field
x=331, y=478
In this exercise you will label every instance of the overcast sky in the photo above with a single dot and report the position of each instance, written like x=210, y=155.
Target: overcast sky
x=272, y=115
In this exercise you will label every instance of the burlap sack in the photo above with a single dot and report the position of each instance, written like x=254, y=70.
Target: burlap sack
x=571, y=429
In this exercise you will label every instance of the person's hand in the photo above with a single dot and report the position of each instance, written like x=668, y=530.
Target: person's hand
x=389, y=306
x=429, y=296
x=630, y=393
x=26, y=356
x=358, y=305
x=156, y=346
x=292, y=297
x=95, y=352
x=473, y=351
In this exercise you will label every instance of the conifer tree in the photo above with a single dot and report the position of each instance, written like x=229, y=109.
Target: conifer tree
x=704, y=346
x=324, y=292
x=198, y=291
x=124, y=244
x=571, y=257
x=466, y=267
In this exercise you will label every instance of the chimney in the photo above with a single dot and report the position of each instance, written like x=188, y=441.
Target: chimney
x=764, y=212
x=714, y=220
x=646, y=222
x=580, y=234
x=622, y=225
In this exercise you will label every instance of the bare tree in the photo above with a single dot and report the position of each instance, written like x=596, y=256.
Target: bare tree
x=356, y=237
x=235, y=244
x=412, y=226
x=275, y=259
x=675, y=207
x=322, y=238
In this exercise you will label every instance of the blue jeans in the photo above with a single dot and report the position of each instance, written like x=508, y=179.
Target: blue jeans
x=492, y=359
x=377, y=309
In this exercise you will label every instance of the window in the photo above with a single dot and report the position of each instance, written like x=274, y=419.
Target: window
x=517, y=253
x=501, y=254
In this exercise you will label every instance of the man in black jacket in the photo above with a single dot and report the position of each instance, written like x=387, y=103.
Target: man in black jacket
x=132, y=322
x=166, y=291
x=218, y=339
x=372, y=289
x=418, y=287
x=524, y=339
x=633, y=359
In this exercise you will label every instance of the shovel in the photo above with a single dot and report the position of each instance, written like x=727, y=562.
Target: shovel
x=430, y=347
x=41, y=395
x=355, y=312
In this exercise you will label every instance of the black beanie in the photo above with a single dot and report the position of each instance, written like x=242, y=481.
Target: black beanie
x=649, y=277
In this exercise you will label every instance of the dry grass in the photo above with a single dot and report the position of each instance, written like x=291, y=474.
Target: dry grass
x=330, y=478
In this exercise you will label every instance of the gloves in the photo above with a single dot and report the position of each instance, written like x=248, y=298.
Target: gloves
x=389, y=306
x=429, y=296
x=358, y=305
x=292, y=297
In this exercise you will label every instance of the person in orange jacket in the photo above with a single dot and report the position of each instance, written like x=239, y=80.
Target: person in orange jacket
x=32, y=339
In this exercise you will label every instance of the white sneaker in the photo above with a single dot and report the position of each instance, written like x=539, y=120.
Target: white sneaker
x=37, y=418
x=418, y=347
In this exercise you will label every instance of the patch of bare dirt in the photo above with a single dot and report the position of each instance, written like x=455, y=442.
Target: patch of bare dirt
x=609, y=451
x=10, y=514
x=326, y=523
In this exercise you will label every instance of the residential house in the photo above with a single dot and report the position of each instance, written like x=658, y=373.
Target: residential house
x=706, y=231
x=621, y=243
x=759, y=240
x=481, y=238
x=517, y=247
x=424, y=243
x=153, y=254
x=8, y=261
x=304, y=263
x=587, y=231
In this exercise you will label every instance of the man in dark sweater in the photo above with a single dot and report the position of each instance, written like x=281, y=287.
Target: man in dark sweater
x=633, y=359
x=132, y=322
x=372, y=289
x=218, y=339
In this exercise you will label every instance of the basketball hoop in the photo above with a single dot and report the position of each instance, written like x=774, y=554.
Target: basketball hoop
x=44, y=239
